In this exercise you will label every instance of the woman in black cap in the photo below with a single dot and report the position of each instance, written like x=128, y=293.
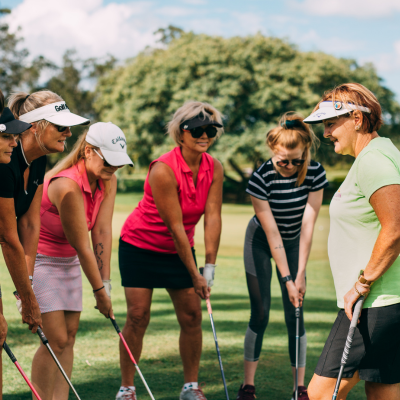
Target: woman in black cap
x=10, y=130
x=156, y=245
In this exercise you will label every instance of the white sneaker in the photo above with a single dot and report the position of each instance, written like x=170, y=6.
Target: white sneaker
x=126, y=394
x=192, y=394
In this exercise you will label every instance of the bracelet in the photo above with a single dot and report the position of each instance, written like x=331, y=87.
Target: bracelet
x=360, y=294
x=94, y=291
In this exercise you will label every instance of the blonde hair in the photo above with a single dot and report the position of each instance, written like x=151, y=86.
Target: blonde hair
x=357, y=94
x=20, y=103
x=77, y=154
x=291, y=132
x=1, y=102
x=188, y=111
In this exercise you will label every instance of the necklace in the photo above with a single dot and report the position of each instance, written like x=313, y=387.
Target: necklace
x=22, y=150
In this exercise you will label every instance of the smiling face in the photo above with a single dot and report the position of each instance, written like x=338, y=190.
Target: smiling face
x=199, y=145
x=95, y=165
x=53, y=140
x=7, y=143
x=282, y=153
x=341, y=131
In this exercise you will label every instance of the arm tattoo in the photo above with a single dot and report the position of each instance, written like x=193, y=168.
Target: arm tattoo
x=279, y=247
x=98, y=251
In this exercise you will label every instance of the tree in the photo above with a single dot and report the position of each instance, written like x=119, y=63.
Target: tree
x=252, y=80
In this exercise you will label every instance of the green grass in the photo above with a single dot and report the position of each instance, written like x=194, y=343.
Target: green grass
x=96, y=372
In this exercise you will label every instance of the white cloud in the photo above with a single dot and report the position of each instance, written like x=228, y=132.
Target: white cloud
x=170, y=11
x=195, y=2
x=349, y=8
x=388, y=62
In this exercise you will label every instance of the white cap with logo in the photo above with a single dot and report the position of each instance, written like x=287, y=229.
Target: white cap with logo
x=111, y=141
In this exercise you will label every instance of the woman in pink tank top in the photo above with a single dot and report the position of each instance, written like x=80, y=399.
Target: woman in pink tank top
x=78, y=197
x=156, y=245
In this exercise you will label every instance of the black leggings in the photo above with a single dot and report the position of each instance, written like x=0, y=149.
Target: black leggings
x=257, y=261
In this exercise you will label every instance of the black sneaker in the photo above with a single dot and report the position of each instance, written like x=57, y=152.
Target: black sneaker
x=247, y=392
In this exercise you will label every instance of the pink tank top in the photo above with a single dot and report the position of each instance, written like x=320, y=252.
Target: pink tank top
x=144, y=227
x=52, y=240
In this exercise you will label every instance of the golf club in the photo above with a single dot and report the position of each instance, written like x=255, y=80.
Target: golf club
x=209, y=309
x=14, y=360
x=356, y=314
x=297, y=314
x=46, y=343
x=131, y=356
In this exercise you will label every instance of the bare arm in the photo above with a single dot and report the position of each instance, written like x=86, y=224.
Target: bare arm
x=14, y=257
x=164, y=188
x=268, y=223
x=386, y=204
x=102, y=232
x=29, y=230
x=212, y=215
x=66, y=196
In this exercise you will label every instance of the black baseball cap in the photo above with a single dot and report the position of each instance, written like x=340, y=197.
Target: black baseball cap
x=199, y=120
x=8, y=124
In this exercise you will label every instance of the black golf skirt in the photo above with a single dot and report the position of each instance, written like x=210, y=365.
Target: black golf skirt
x=375, y=351
x=142, y=268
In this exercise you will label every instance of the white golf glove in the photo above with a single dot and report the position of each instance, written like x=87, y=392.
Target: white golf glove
x=208, y=274
x=107, y=286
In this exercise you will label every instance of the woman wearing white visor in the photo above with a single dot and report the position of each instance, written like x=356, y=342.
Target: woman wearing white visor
x=363, y=247
x=22, y=186
x=78, y=197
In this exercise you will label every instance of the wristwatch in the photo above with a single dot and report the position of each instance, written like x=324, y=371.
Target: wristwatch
x=286, y=278
x=364, y=281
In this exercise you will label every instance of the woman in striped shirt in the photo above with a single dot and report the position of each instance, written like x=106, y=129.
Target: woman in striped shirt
x=286, y=192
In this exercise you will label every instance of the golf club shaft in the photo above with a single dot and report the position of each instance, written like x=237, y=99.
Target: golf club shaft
x=14, y=360
x=131, y=356
x=297, y=314
x=356, y=315
x=216, y=346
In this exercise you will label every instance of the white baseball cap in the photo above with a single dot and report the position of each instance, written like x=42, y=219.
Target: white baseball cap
x=56, y=113
x=111, y=141
x=329, y=109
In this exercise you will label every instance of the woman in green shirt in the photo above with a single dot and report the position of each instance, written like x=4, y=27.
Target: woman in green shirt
x=364, y=236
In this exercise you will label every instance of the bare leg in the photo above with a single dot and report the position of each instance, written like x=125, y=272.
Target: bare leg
x=250, y=368
x=188, y=310
x=302, y=372
x=382, y=391
x=61, y=388
x=321, y=388
x=44, y=369
x=1, y=357
x=138, y=318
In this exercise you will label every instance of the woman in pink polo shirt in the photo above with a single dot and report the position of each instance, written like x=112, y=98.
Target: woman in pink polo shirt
x=156, y=245
x=78, y=196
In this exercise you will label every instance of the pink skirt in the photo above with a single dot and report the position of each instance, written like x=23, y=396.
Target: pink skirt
x=57, y=283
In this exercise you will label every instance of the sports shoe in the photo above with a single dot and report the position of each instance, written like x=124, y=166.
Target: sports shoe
x=303, y=395
x=126, y=394
x=247, y=392
x=192, y=394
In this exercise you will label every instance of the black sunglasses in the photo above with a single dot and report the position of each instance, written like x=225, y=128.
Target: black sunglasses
x=211, y=131
x=296, y=162
x=61, y=128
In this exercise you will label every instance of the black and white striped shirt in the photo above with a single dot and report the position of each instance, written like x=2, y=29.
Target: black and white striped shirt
x=287, y=201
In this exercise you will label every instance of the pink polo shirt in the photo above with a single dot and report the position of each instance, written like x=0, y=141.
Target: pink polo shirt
x=144, y=227
x=52, y=240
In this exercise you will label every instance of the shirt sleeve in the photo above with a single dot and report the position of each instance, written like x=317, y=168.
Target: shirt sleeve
x=256, y=186
x=7, y=181
x=375, y=170
x=319, y=182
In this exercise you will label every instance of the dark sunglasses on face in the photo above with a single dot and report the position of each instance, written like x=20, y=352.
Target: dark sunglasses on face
x=211, y=132
x=295, y=162
x=105, y=163
x=61, y=128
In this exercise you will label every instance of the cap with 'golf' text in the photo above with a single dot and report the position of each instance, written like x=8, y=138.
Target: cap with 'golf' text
x=111, y=141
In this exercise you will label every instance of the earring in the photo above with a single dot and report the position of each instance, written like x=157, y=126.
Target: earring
x=358, y=127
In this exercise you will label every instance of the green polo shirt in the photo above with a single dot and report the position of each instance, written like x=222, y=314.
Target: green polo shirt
x=354, y=226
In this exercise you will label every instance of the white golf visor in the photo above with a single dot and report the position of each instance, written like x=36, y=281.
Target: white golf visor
x=56, y=113
x=330, y=109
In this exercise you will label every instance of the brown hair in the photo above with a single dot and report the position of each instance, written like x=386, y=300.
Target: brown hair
x=291, y=132
x=359, y=95
x=188, y=111
x=1, y=101
x=77, y=154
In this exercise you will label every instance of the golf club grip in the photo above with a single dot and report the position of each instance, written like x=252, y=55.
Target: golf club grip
x=9, y=352
x=114, y=322
x=353, y=325
x=42, y=336
x=209, y=309
x=297, y=312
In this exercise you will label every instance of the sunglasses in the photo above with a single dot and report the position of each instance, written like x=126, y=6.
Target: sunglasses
x=61, y=128
x=211, y=132
x=295, y=162
x=105, y=163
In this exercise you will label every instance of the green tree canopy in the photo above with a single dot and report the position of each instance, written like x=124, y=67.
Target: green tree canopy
x=252, y=80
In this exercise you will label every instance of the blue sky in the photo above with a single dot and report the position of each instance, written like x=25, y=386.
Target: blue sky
x=366, y=30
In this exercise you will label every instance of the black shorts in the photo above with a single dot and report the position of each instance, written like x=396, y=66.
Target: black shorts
x=142, y=268
x=375, y=351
